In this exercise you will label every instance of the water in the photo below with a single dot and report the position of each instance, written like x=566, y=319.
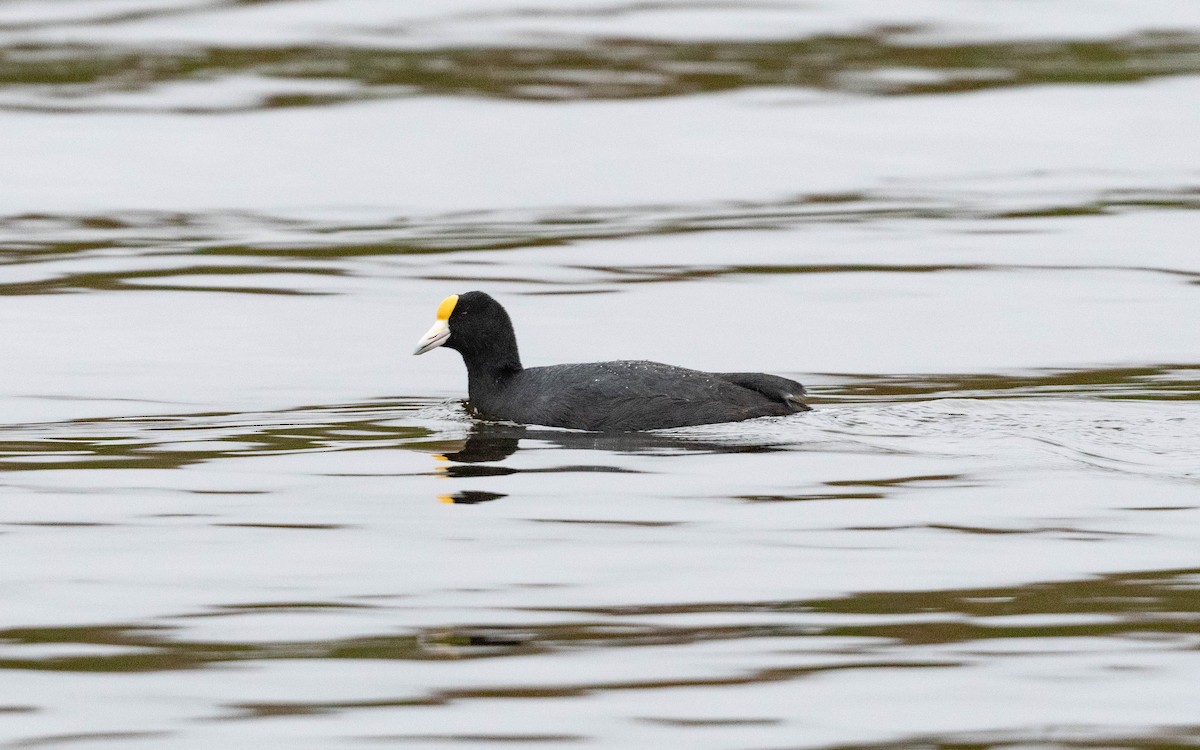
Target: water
x=235, y=511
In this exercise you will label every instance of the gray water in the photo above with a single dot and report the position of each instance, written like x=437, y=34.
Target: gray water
x=234, y=512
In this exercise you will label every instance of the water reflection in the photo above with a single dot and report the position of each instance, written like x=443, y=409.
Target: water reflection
x=127, y=252
x=496, y=441
x=492, y=443
x=908, y=631
x=470, y=497
x=175, y=441
x=913, y=60
x=1161, y=382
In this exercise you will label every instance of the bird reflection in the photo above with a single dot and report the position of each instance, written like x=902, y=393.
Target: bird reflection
x=470, y=497
x=490, y=443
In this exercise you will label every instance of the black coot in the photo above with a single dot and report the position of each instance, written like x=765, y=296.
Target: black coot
x=601, y=396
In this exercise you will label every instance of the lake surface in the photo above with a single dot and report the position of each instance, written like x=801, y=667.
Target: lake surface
x=235, y=512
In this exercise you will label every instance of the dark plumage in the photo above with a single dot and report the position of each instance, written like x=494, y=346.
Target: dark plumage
x=600, y=396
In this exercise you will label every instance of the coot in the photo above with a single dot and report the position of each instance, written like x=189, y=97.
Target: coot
x=598, y=396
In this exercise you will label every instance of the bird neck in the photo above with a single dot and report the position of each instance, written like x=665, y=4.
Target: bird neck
x=490, y=363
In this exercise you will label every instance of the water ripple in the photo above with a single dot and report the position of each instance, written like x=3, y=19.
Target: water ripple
x=205, y=79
